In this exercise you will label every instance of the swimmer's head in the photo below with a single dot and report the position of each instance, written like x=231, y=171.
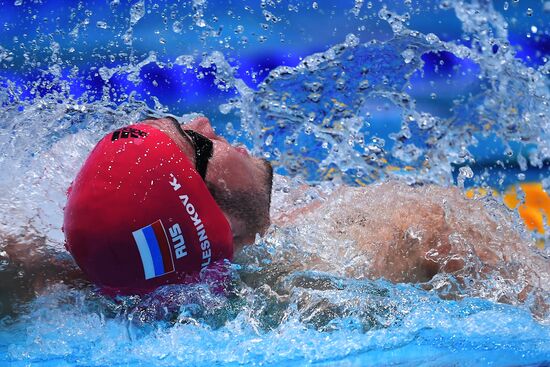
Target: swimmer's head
x=139, y=214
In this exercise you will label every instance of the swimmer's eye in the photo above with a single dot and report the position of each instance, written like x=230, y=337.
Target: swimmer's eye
x=202, y=145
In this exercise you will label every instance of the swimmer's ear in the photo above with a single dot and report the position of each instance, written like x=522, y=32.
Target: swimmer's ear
x=229, y=220
x=237, y=229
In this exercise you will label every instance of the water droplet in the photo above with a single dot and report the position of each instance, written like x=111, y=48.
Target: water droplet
x=127, y=37
x=522, y=162
x=270, y=17
x=239, y=29
x=314, y=97
x=446, y=4
x=200, y=23
x=408, y=55
x=177, y=27
x=464, y=173
x=137, y=11
x=184, y=60
x=315, y=5
x=534, y=29
x=506, y=5
x=162, y=41
x=432, y=38
x=18, y=2
x=364, y=84
x=101, y=24
x=529, y=12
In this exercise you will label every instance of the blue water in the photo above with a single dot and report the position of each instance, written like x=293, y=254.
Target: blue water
x=347, y=91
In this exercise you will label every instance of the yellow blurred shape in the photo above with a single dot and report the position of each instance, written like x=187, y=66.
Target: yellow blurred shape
x=479, y=192
x=392, y=168
x=329, y=172
x=338, y=103
x=535, y=207
x=533, y=210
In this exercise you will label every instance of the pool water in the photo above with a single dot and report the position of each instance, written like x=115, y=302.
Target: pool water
x=448, y=92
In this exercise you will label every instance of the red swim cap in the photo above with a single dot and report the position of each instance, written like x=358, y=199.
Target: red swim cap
x=139, y=215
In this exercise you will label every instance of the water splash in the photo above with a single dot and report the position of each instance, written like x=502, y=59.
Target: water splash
x=323, y=108
x=321, y=119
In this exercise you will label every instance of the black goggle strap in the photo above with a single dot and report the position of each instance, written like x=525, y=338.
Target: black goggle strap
x=203, y=151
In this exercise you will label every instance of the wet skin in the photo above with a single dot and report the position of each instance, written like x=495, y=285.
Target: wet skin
x=405, y=234
x=233, y=172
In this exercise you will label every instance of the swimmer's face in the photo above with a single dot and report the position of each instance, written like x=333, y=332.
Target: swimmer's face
x=239, y=182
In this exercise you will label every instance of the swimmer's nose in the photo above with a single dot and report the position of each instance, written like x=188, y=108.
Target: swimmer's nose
x=202, y=126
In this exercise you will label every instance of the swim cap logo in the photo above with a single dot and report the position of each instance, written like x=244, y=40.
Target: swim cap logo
x=127, y=132
x=178, y=241
x=197, y=223
x=154, y=250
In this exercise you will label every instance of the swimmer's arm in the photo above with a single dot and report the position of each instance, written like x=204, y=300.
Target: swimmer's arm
x=35, y=264
x=299, y=202
x=435, y=230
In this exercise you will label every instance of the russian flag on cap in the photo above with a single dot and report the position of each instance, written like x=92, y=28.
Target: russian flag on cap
x=154, y=250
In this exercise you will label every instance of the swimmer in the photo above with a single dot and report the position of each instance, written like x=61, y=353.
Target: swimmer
x=157, y=201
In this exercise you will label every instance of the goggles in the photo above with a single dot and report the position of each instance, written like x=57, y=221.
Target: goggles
x=203, y=146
